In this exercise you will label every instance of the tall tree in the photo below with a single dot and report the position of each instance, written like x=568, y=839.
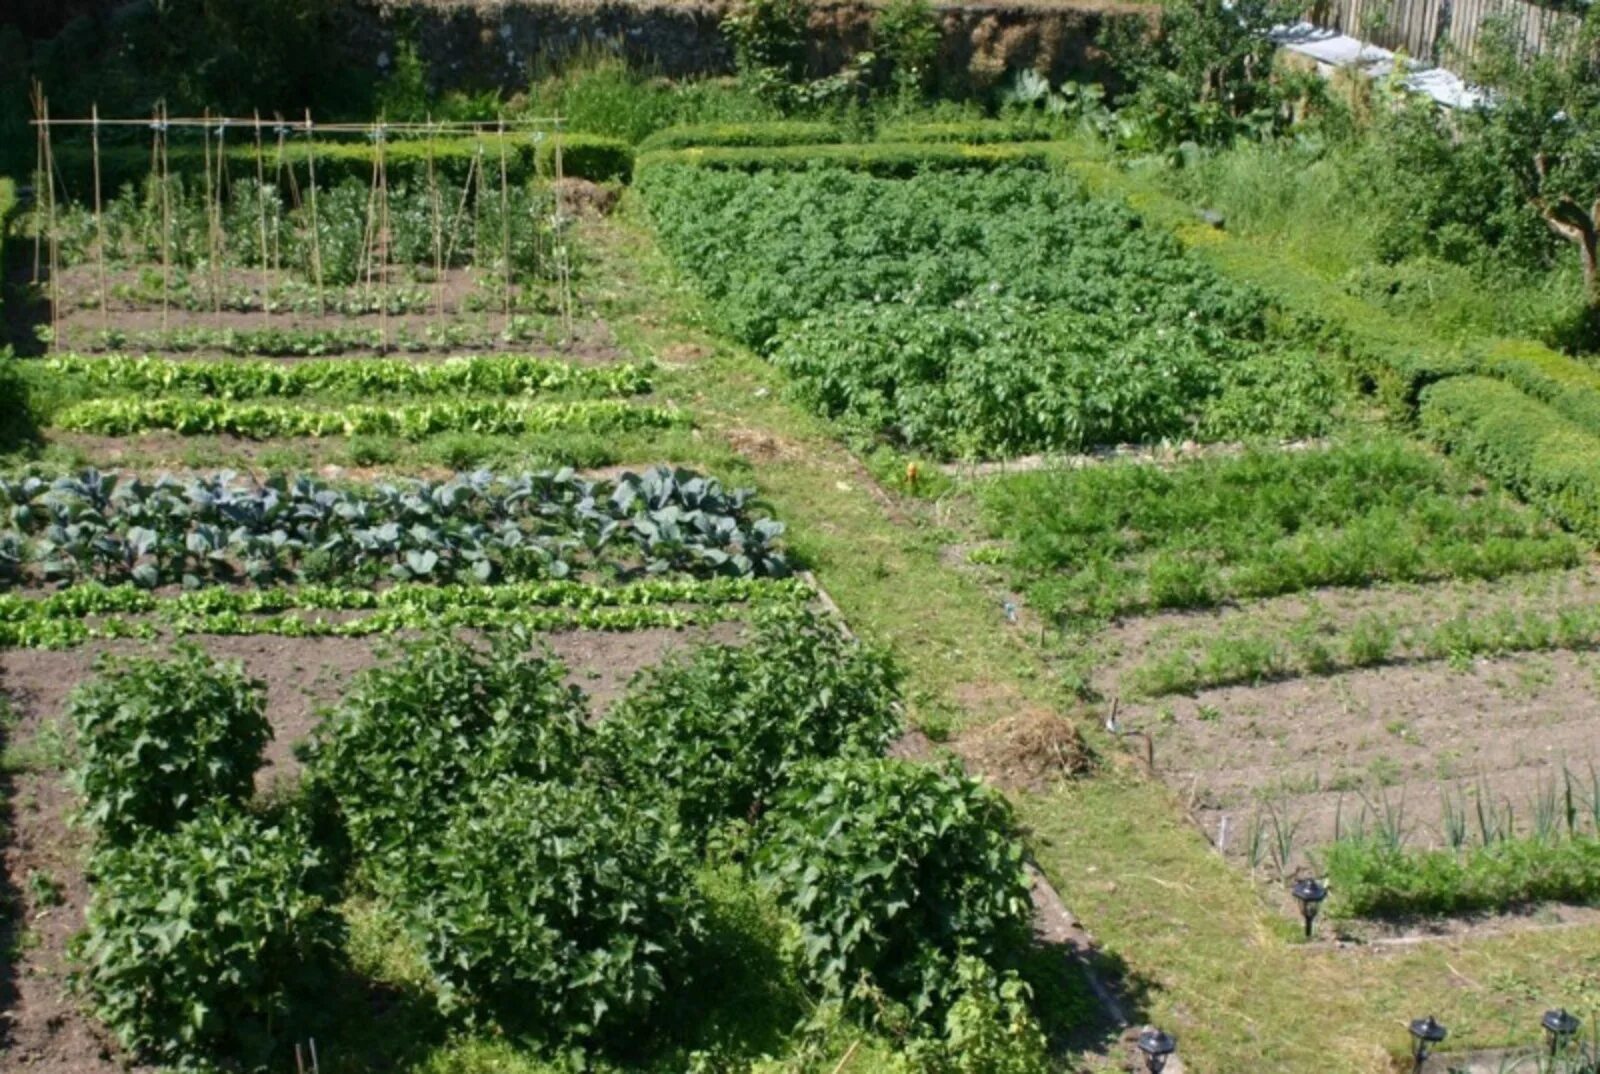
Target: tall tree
x=1542, y=121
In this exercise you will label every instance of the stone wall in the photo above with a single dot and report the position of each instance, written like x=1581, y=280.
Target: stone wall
x=498, y=43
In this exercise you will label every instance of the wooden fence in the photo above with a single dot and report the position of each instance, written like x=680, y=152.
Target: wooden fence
x=1442, y=31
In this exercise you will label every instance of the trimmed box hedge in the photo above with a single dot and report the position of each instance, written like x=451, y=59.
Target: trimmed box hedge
x=583, y=156
x=785, y=132
x=970, y=131
x=1565, y=384
x=1521, y=442
x=884, y=159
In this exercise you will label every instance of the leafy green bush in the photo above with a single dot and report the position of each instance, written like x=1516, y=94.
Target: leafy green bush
x=159, y=740
x=718, y=732
x=905, y=38
x=894, y=871
x=417, y=735
x=1371, y=877
x=202, y=939
x=1521, y=442
x=1206, y=75
x=554, y=908
x=989, y=1028
x=769, y=46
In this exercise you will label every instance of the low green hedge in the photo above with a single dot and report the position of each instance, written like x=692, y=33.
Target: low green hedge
x=884, y=159
x=969, y=131
x=785, y=132
x=1371, y=878
x=583, y=156
x=1521, y=442
x=1563, y=383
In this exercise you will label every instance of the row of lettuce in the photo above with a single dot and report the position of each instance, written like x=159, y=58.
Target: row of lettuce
x=561, y=883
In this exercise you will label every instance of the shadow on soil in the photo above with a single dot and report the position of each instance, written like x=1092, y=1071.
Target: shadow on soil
x=11, y=907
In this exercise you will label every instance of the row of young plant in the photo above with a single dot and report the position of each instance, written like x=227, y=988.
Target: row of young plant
x=548, y=870
x=411, y=421
x=478, y=527
x=1096, y=542
x=186, y=224
x=1488, y=861
x=92, y=612
x=435, y=336
x=1316, y=645
x=929, y=310
x=504, y=374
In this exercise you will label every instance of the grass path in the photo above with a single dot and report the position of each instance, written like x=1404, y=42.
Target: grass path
x=1207, y=953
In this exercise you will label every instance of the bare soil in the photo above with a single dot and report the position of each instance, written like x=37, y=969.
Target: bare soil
x=81, y=320
x=42, y=1029
x=1354, y=747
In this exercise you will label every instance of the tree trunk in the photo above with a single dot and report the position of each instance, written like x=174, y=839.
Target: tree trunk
x=1589, y=250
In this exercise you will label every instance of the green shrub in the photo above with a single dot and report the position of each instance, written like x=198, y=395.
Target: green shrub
x=989, y=1029
x=1376, y=878
x=201, y=940
x=766, y=135
x=1520, y=442
x=422, y=732
x=555, y=909
x=161, y=739
x=719, y=731
x=894, y=871
x=1566, y=385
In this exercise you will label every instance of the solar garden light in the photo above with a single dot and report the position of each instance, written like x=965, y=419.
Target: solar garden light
x=1157, y=1047
x=1559, y=1028
x=1309, y=893
x=1425, y=1033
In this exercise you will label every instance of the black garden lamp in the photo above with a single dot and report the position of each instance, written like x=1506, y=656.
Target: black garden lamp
x=1559, y=1028
x=1309, y=894
x=1425, y=1033
x=1157, y=1047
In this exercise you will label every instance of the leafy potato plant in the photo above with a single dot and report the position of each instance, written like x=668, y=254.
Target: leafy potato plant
x=201, y=939
x=426, y=730
x=554, y=909
x=161, y=739
x=977, y=312
x=894, y=872
x=718, y=732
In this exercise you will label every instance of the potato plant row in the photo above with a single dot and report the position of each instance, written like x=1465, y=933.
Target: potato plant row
x=984, y=313
x=479, y=527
